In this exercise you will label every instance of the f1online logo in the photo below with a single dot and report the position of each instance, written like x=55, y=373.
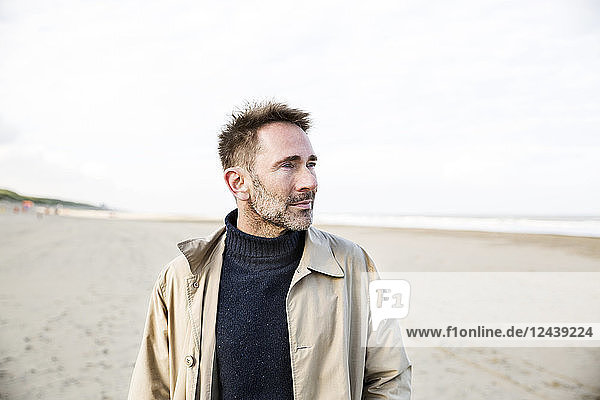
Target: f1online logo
x=389, y=299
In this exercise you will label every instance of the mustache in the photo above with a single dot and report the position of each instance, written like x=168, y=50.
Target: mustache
x=301, y=197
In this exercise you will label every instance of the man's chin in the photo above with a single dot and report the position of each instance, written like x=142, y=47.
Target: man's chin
x=300, y=223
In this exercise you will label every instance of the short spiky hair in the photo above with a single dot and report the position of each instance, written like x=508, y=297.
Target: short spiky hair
x=238, y=142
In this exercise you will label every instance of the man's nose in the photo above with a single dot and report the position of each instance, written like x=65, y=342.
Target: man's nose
x=307, y=182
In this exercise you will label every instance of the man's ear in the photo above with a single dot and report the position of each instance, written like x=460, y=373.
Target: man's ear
x=238, y=182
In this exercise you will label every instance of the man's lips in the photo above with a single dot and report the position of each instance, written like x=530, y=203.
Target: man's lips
x=306, y=204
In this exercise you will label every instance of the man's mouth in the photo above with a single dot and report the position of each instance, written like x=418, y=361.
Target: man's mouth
x=305, y=205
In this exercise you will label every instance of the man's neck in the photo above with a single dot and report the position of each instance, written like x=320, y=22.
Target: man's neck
x=250, y=222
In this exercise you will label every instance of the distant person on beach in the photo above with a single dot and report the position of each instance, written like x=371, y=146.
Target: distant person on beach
x=268, y=307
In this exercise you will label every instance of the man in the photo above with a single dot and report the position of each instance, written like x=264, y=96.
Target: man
x=268, y=307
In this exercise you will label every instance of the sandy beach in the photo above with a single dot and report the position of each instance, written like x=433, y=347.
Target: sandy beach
x=74, y=291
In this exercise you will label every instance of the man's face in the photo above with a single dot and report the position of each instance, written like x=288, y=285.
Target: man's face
x=284, y=182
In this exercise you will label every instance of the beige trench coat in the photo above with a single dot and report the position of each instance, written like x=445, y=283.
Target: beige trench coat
x=328, y=321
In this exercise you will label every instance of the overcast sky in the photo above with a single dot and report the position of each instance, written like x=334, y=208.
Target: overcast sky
x=419, y=107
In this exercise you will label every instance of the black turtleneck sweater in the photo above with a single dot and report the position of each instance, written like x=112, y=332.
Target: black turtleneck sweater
x=253, y=351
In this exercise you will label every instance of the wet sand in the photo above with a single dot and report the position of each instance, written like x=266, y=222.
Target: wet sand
x=74, y=291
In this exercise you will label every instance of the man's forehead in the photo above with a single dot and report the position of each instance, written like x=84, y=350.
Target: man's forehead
x=283, y=139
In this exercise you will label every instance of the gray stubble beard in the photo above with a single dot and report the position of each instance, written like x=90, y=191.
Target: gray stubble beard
x=275, y=209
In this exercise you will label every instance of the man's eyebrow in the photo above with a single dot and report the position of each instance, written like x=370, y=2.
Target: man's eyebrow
x=296, y=157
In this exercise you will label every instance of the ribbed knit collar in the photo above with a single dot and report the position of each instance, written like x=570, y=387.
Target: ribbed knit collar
x=250, y=249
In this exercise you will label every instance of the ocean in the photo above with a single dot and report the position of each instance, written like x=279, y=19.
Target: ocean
x=588, y=226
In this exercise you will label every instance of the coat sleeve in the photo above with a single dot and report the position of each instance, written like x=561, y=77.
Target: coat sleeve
x=150, y=378
x=388, y=370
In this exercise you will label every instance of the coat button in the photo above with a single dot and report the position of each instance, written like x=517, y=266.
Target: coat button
x=189, y=361
x=195, y=284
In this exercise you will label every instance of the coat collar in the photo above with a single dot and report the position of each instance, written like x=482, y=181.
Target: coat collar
x=317, y=255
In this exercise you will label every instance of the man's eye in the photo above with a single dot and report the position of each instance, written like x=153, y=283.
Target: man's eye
x=311, y=164
x=287, y=165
